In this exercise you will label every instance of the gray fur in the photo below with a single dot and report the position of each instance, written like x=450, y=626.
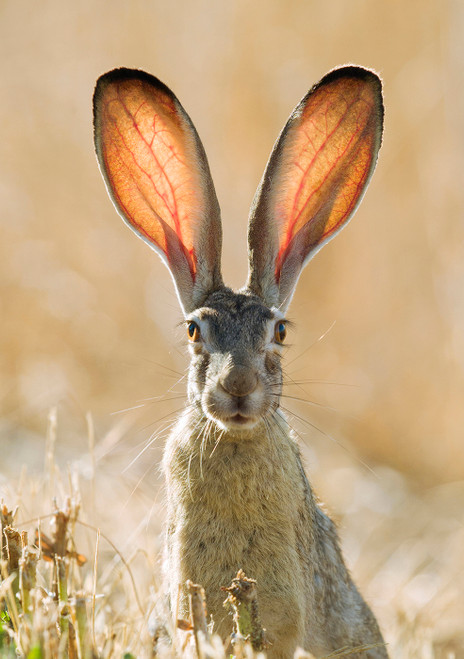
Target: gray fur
x=237, y=493
x=239, y=498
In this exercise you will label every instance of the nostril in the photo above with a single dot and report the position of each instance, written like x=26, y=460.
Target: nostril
x=239, y=381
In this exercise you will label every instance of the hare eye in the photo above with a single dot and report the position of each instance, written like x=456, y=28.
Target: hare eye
x=280, y=332
x=193, y=332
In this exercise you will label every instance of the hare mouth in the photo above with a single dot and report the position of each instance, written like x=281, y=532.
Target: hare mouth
x=238, y=421
x=232, y=413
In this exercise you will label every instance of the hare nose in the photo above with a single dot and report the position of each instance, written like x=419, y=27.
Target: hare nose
x=239, y=381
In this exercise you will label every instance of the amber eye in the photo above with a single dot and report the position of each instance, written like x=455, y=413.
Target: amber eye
x=280, y=332
x=193, y=331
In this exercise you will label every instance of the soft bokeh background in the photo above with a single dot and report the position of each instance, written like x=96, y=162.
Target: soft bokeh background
x=88, y=311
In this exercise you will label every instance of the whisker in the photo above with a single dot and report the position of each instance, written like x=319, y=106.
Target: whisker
x=167, y=368
x=152, y=439
x=338, y=384
x=221, y=435
x=150, y=512
x=151, y=399
x=189, y=485
x=136, y=486
x=204, y=439
x=158, y=433
x=284, y=373
x=316, y=404
x=178, y=382
x=304, y=400
x=333, y=439
x=166, y=416
x=199, y=422
x=127, y=409
x=313, y=343
x=160, y=399
x=278, y=428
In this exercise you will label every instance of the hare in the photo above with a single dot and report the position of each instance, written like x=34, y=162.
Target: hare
x=237, y=493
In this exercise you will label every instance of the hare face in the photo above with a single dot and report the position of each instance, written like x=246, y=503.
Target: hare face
x=236, y=376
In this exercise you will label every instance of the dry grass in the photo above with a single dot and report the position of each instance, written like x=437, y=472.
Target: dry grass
x=405, y=549
x=87, y=311
x=85, y=306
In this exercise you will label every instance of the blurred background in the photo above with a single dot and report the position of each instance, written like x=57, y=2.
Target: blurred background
x=88, y=312
x=86, y=308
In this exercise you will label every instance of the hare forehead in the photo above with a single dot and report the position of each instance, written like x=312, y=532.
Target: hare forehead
x=233, y=317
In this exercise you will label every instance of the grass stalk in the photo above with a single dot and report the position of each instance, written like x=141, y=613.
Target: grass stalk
x=197, y=606
x=242, y=598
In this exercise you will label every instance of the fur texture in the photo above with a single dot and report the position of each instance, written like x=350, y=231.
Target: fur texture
x=237, y=493
x=239, y=498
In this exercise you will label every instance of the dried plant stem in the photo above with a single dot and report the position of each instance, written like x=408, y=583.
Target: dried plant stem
x=243, y=599
x=197, y=605
x=94, y=591
x=27, y=578
x=10, y=597
x=61, y=566
x=79, y=617
x=6, y=519
x=13, y=554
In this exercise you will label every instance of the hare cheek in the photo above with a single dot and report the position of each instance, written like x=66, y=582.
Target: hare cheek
x=198, y=373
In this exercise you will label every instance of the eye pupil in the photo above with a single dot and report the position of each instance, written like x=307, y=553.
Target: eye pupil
x=280, y=332
x=193, y=331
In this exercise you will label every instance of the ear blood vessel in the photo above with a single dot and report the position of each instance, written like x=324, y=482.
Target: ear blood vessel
x=237, y=493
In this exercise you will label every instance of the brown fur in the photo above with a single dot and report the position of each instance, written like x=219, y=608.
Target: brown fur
x=237, y=493
x=241, y=499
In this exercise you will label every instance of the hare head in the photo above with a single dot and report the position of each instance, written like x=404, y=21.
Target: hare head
x=158, y=178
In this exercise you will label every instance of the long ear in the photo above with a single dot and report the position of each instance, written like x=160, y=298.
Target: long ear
x=315, y=178
x=158, y=178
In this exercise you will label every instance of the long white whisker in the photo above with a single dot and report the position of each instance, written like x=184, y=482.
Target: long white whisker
x=221, y=435
x=204, y=438
x=152, y=439
x=136, y=486
x=188, y=476
x=167, y=368
x=161, y=399
x=322, y=336
x=332, y=439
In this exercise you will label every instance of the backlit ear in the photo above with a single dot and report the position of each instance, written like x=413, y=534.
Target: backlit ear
x=316, y=176
x=157, y=176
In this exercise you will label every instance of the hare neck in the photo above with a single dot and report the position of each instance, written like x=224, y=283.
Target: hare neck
x=197, y=452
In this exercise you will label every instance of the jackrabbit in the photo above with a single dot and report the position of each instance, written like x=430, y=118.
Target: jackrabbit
x=237, y=493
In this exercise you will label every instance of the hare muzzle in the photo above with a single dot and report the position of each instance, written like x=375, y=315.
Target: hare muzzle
x=236, y=397
x=239, y=390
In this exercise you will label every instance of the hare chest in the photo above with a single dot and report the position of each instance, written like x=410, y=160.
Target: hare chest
x=242, y=506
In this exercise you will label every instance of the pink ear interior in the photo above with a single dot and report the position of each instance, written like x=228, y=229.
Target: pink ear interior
x=327, y=157
x=148, y=154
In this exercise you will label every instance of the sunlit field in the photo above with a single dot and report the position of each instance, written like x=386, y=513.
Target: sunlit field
x=92, y=359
